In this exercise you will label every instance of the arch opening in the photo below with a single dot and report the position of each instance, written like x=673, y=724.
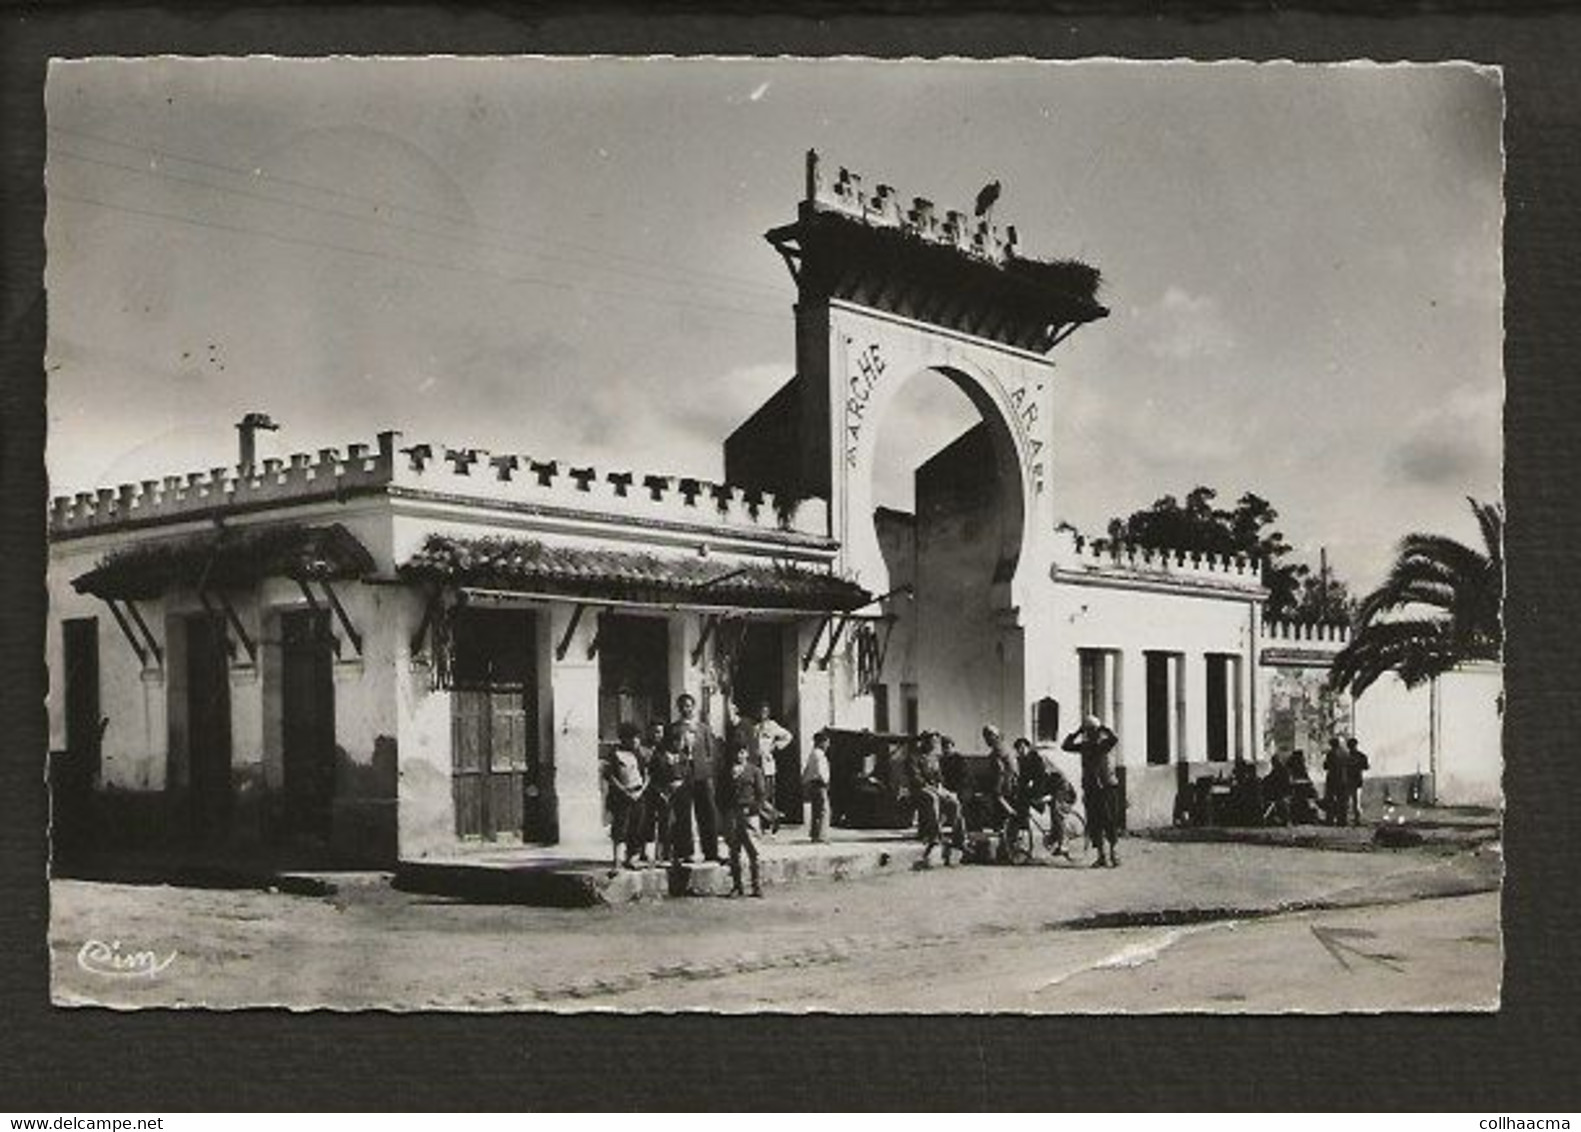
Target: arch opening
x=949, y=519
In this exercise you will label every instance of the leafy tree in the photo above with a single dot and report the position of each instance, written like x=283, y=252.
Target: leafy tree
x=1438, y=607
x=1247, y=529
x=1323, y=601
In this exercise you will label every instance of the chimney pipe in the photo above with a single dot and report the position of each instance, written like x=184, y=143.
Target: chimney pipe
x=248, y=428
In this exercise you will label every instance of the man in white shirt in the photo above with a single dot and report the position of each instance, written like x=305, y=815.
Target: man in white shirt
x=815, y=784
x=765, y=740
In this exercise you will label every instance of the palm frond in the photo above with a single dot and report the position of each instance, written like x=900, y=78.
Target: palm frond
x=1463, y=587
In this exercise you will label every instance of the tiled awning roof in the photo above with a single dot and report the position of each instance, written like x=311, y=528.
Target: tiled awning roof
x=232, y=558
x=527, y=566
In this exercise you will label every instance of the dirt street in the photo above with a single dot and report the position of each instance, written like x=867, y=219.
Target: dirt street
x=1178, y=927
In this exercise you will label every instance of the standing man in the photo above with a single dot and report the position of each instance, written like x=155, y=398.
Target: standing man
x=1100, y=785
x=744, y=800
x=815, y=785
x=703, y=748
x=678, y=769
x=1337, y=777
x=765, y=740
x=1359, y=765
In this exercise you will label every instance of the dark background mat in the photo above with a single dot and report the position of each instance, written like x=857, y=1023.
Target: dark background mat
x=1519, y=1060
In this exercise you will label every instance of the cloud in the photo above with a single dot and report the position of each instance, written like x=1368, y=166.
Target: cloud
x=1184, y=327
x=1455, y=444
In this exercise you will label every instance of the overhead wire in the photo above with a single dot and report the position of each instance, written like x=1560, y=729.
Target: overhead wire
x=526, y=280
x=377, y=202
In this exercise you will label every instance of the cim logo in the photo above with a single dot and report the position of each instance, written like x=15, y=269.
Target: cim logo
x=109, y=961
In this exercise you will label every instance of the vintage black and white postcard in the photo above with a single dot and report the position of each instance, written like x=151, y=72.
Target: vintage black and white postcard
x=775, y=535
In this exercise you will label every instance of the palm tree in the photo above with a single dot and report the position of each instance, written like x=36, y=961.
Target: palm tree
x=1438, y=607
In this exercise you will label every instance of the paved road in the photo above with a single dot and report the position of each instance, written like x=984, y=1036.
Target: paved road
x=1422, y=955
x=962, y=939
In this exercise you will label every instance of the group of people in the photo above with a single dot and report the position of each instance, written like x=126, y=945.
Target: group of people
x=676, y=787
x=1290, y=796
x=1021, y=780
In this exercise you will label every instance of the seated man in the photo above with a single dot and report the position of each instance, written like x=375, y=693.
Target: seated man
x=937, y=807
x=1304, y=802
x=1276, y=792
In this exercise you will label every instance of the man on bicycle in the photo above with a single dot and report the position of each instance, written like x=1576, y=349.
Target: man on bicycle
x=1060, y=798
x=1006, y=795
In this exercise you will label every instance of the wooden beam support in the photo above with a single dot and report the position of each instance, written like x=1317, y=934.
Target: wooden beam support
x=340, y=615
x=236, y=624
x=709, y=624
x=570, y=631
x=153, y=645
x=126, y=631
x=883, y=646
x=812, y=646
x=834, y=640
x=313, y=604
x=598, y=638
x=218, y=619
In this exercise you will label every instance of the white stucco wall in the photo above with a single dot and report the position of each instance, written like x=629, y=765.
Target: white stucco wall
x=1470, y=764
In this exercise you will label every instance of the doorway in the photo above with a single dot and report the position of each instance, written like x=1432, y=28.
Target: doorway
x=208, y=730
x=633, y=674
x=495, y=763
x=757, y=676
x=308, y=715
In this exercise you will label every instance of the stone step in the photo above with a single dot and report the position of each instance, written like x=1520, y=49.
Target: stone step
x=584, y=884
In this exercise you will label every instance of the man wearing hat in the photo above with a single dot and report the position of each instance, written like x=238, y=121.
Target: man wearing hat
x=1100, y=785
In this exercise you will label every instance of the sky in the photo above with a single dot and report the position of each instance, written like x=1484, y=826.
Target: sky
x=564, y=258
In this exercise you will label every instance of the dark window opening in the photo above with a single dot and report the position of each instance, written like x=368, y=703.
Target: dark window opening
x=881, y=708
x=81, y=653
x=1045, y=720
x=633, y=674
x=1218, y=708
x=1160, y=709
x=491, y=649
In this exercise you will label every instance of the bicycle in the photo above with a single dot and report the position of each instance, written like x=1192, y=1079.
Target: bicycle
x=1023, y=836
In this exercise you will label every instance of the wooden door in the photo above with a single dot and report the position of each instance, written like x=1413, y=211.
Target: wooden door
x=491, y=745
x=308, y=711
x=208, y=730
x=496, y=775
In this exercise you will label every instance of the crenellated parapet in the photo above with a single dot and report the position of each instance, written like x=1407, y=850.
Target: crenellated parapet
x=1306, y=633
x=948, y=267
x=517, y=478
x=436, y=469
x=882, y=207
x=266, y=483
x=1077, y=558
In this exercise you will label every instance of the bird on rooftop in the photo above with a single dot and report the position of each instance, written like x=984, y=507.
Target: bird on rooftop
x=986, y=199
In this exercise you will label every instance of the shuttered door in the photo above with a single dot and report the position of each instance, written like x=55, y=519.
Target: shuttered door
x=469, y=745
x=492, y=728
x=507, y=777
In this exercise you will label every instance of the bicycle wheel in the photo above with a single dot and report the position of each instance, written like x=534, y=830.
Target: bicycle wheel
x=1019, y=848
x=1076, y=828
